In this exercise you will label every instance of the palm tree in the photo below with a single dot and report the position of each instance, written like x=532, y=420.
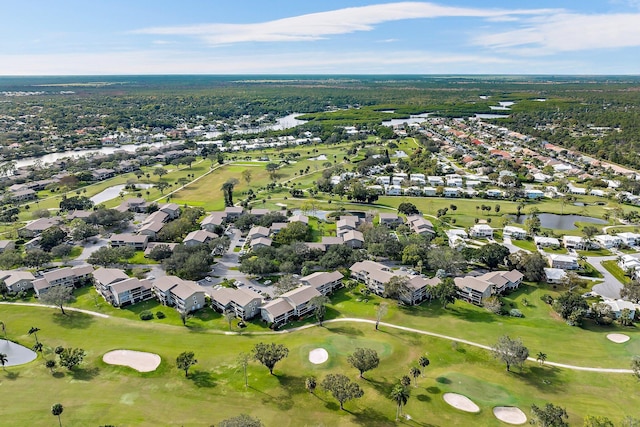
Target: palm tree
x=405, y=381
x=310, y=384
x=541, y=358
x=400, y=395
x=34, y=331
x=37, y=347
x=3, y=360
x=423, y=362
x=56, y=411
x=415, y=373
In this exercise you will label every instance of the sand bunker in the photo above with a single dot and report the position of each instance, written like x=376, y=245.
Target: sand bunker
x=138, y=360
x=618, y=338
x=510, y=414
x=461, y=402
x=16, y=354
x=318, y=356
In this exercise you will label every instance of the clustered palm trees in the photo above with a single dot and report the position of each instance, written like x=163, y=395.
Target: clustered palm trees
x=400, y=392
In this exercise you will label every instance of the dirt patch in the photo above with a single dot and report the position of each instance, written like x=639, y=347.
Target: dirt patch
x=318, y=356
x=138, y=360
x=510, y=415
x=618, y=338
x=461, y=402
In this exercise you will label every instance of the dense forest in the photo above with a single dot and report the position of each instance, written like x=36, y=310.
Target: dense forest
x=597, y=115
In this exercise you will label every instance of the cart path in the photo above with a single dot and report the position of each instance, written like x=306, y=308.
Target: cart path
x=367, y=321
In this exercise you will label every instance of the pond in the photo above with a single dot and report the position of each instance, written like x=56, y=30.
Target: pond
x=559, y=222
x=322, y=215
x=113, y=192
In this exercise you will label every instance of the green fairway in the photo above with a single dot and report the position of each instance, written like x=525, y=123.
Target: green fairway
x=98, y=393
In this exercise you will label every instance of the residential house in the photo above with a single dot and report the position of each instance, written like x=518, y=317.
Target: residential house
x=277, y=226
x=17, y=280
x=258, y=231
x=259, y=212
x=260, y=242
x=575, y=242
x=533, y=194
x=198, y=237
x=389, y=219
x=347, y=223
x=7, y=245
x=133, y=204
x=185, y=295
x=565, y=262
x=554, y=276
x=451, y=192
x=430, y=191
x=36, y=227
x=171, y=209
x=608, y=241
x=233, y=211
x=476, y=288
x=494, y=193
x=102, y=174
x=324, y=282
x=373, y=274
x=213, y=221
x=629, y=239
x=329, y=241
x=299, y=218
x=151, y=229
x=515, y=233
x=277, y=311
x=393, y=190
x=245, y=303
x=103, y=278
x=23, y=195
x=420, y=225
x=130, y=291
x=456, y=237
x=618, y=305
x=353, y=239
x=138, y=242
x=482, y=231
x=546, y=242
x=435, y=181
x=66, y=276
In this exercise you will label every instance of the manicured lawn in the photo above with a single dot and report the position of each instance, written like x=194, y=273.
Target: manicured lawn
x=613, y=268
x=528, y=245
x=595, y=252
x=139, y=258
x=98, y=394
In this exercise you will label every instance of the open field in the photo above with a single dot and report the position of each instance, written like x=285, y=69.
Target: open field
x=101, y=393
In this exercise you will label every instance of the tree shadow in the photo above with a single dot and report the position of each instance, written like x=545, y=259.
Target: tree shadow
x=85, y=374
x=73, y=320
x=443, y=380
x=433, y=390
x=11, y=376
x=202, y=379
x=292, y=384
x=381, y=387
x=58, y=374
x=345, y=330
x=545, y=378
x=423, y=398
x=332, y=406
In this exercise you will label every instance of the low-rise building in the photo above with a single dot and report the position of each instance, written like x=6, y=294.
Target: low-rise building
x=324, y=282
x=130, y=291
x=546, y=242
x=554, y=276
x=608, y=241
x=138, y=242
x=482, y=231
x=564, y=262
x=66, y=276
x=618, y=306
x=198, y=237
x=389, y=219
x=245, y=303
x=420, y=225
x=185, y=295
x=515, y=233
x=17, y=280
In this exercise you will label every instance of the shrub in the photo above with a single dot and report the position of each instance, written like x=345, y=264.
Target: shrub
x=514, y=312
x=547, y=298
x=160, y=315
x=146, y=315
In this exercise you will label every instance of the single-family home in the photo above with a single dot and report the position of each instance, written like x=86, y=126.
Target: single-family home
x=608, y=241
x=134, y=204
x=245, y=303
x=393, y=190
x=233, y=211
x=629, y=239
x=258, y=231
x=435, y=181
x=618, y=305
x=213, y=221
x=575, y=242
x=420, y=225
x=451, y=192
x=533, y=194
x=353, y=239
x=515, y=233
x=260, y=212
x=277, y=226
x=546, y=242
x=482, y=231
x=299, y=218
x=565, y=262
x=494, y=193
x=554, y=276
x=430, y=191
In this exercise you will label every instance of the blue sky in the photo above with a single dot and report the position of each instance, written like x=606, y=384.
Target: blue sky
x=320, y=37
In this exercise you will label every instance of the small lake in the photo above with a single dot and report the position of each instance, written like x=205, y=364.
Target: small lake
x=113, y=192
x=322, y=215
x=491, y=116
x=559, y=222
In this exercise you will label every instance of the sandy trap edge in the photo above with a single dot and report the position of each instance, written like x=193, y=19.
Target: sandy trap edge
x=510, y=415
x=139, y=360
x=461, y=402
x=618, y=338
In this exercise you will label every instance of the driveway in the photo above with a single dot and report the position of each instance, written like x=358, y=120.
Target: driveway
x=611, y=286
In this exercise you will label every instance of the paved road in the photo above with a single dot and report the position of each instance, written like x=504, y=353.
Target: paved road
x=373, y=322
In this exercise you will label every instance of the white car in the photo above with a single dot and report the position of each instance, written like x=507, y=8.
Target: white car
x=268, y=282
x=208, y=278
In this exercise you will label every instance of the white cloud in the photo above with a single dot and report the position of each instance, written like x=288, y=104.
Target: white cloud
x=568, y=32
x=315, y=26
x=316, y=62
